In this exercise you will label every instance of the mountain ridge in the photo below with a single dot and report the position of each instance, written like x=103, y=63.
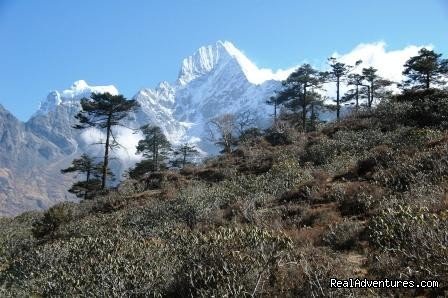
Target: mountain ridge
x=216, y=79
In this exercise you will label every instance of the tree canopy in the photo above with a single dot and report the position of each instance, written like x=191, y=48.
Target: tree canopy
x=298, y=91
x=426, y=69
x=92, y=171
x=103, y=111
x=154, y=145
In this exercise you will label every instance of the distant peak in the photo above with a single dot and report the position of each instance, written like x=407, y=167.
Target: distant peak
x=71, y=97
x=80, y=88
x=207, y=58
x=204, y=60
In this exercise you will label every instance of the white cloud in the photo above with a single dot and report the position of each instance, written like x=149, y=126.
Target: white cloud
x=125, y=153
x=254, y=74
x=389, y=63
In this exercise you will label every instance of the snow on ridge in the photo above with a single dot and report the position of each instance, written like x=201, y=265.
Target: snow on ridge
x=81, y=89
x=72, y=96
x=253, y=73
x=206, y=58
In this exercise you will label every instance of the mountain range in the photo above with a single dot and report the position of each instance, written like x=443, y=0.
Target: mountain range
x=216, y=79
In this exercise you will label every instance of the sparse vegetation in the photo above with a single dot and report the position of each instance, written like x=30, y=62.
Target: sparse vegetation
x=278, y=215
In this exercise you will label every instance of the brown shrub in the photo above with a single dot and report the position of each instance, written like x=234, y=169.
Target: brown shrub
x=210, y=175
x=310, y=192
x=344, y=235
x=256, y=166
x=355, y=198
x=188, y=170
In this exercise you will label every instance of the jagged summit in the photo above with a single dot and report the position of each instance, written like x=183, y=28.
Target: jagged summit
x=204, y=60
x=208, y=58
x=216, y=79
x=72, y=96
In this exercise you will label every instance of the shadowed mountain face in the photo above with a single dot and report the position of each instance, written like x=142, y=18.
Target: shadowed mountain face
x=30, y=165
x=217, y=79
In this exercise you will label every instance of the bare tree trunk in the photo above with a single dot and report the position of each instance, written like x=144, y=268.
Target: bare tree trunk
x=304, y=108
x=155, y=157
x=338, y=105
x=87, y=183
x=275, y=111
x=106, y=153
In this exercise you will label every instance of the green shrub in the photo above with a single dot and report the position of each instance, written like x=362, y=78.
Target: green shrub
x=116, y=263
x=52, y=219
x=416, y=237
x=278, y=137
x=320, y=151
x=228, y=262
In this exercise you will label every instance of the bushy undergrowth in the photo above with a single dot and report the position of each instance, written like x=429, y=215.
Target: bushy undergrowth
x=414, y=237
x=279, y=217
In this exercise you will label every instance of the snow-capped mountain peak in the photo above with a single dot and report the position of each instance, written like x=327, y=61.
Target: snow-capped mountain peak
x=216, y=79
x=207, y=58
x=204, y=60
x=72, y=96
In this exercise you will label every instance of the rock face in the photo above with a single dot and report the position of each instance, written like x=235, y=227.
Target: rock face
x=217, y=79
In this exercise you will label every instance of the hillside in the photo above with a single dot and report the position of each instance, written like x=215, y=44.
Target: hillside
x=283, y=213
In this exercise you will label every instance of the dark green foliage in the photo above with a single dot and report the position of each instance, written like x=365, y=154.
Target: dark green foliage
x=104, y=111
x=376, y=86
x=52, y=219
x=355, y=80
x=425, y=69
x=371, y=77
x=337, y=74
x=86, y=165
x=277, y=137
x=86, y=189
x=298, y=92
x=154, y=146
x=141, y=168
x=183, y=155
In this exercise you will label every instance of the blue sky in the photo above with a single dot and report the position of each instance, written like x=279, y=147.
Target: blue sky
x=47, y=45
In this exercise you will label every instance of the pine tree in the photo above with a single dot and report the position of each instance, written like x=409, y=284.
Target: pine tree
x=154, y=146
x=183, y=155
x=273, y=100
x=296, y=93
x=356, y=80
x=316, y=102
x=425, y=69
x=141, y=168
x=104, y=111
x=371, y=77
x=337, y=74
x=92, y=171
